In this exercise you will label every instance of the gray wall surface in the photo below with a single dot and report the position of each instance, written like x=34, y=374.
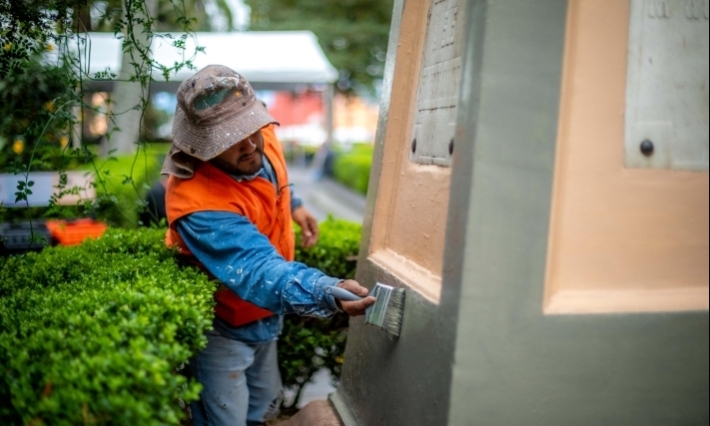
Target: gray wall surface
x=513, y=365
x=486, y=355
x=405, y=381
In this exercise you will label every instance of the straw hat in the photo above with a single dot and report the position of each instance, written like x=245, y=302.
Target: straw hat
x=217, y=108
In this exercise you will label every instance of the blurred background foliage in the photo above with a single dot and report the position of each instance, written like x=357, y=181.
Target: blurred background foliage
x=34, y=110
x=170, y=14
x=352, y=168
x=27, y=26
x=124, y=181
x=352, y=33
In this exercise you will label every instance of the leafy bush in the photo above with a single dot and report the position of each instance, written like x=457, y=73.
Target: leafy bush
x=298, y=154
x=94, y=334
x=122, y=183
x=352, y=169
x=309, y=344
x=35, y=116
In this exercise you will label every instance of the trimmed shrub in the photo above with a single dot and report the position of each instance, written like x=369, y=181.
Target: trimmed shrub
x=94, y=334
x=352, y=169
x=309, y=344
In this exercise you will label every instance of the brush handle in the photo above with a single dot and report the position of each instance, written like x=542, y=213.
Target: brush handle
x=341, y=293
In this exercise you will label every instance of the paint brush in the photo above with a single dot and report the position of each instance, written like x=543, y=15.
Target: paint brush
x=386, y=313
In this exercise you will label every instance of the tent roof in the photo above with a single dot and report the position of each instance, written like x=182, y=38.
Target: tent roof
x=275, y=59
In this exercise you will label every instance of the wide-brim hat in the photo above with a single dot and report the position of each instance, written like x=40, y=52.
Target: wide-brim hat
x=217, y=108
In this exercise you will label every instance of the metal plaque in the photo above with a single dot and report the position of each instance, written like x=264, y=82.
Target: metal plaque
x=439, y=80
x=667, y=85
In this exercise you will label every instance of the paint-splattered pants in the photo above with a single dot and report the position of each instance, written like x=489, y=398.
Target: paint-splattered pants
x=242, y=385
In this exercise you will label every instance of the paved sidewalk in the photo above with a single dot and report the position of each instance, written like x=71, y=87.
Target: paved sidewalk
x=319, y=388
x=325, y=196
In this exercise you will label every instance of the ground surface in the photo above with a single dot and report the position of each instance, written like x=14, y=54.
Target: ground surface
x=323, y=197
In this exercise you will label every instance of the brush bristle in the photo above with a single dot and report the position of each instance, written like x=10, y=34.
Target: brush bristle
x=395, y=310
x=387, y=312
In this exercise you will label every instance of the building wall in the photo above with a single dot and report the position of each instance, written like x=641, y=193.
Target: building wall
x=403, y=381
x=292, y=108
x=514, y=363
x=622, y=239
x=354, y=119
x=481, y=349
x=302, y=117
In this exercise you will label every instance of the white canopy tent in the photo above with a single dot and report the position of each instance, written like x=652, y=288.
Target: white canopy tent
x=269, y=60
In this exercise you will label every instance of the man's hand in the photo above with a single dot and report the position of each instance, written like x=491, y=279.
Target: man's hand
x=356, y=308
x=309, y=226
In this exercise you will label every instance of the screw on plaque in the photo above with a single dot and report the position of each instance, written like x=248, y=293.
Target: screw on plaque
x=414, y=145
x=647, y=148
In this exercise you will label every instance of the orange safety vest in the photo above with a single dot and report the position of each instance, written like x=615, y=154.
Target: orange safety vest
x=258, y=200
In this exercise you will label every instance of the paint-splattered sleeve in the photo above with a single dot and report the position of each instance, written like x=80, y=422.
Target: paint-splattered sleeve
x=243, y=259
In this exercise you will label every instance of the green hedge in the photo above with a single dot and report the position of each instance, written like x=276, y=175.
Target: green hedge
x=352, y=169
x=94, y=334
x=309, y=344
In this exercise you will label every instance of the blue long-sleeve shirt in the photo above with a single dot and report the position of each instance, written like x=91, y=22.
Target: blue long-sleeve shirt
x=243, y=259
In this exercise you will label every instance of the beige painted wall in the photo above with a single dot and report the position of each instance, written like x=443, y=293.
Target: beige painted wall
x=409, y=223
x=621, y=240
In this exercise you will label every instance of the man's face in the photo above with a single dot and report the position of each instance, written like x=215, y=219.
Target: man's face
x=243, y=158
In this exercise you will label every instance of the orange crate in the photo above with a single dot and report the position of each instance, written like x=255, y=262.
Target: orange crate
x=69, y=233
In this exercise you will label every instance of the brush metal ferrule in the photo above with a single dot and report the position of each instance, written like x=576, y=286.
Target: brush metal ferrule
x=376, y=314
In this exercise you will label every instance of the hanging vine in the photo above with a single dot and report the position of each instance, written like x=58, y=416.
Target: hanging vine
x=45, y=48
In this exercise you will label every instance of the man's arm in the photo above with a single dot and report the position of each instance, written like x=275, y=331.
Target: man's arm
x=296, y=200
x=243, y=259
x=308, y=225
x=305, y=220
